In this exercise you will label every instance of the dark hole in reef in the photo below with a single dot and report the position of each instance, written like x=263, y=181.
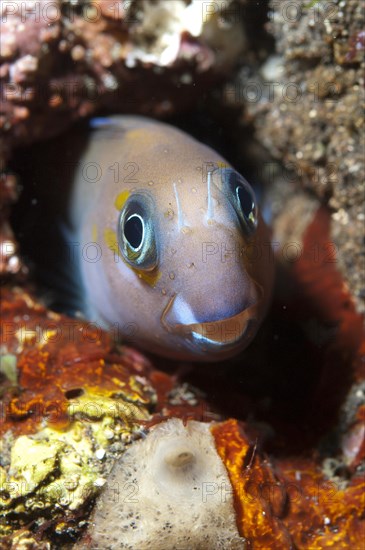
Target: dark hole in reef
x=294, y=376
x=74, y=393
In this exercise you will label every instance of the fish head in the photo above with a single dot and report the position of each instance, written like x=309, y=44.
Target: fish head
x=186, y=255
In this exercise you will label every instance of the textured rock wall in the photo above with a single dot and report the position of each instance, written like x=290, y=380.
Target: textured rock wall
x=312, y=116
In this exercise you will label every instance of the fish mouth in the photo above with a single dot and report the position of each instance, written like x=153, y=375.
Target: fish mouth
x=222, y=335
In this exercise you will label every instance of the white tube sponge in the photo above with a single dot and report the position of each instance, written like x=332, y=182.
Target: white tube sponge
x=168, y=491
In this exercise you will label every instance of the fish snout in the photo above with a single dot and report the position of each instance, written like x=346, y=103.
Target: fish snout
x=216, y=319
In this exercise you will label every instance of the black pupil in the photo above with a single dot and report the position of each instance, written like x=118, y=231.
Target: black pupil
x=133, y=231
x=245, y=201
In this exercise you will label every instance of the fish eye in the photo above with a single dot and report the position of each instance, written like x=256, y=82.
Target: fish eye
x=242, y=198
x=246, y=202
x=136, y=233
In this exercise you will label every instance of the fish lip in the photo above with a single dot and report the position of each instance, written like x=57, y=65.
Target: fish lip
x=224, y=332
x=219, y=335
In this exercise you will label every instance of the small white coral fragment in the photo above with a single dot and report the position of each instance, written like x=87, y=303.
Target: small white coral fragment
x=160, y=25
x=168, y=491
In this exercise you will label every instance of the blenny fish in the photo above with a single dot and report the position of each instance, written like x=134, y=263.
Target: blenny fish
x=173, y=242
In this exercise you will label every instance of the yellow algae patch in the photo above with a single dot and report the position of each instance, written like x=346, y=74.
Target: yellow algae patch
x=46, y=471
x=32, y=461
x=61, y=470
x=121, y=199
x=93, y=406
x=118, y=382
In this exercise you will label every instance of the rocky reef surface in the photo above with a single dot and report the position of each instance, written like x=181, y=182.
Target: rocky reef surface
x=307, y=102
x=83, y=416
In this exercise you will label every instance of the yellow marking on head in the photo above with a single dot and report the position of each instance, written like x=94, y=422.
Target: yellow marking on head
x=94, y=233
x=111, y=241
x=139, y=135
x=121, y=199
x=149, y=277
